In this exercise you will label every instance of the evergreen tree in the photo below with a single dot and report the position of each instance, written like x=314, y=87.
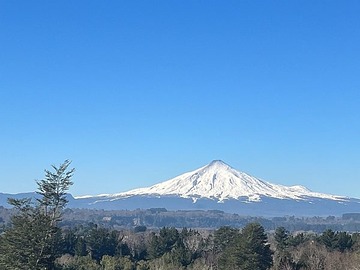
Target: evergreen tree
x=282, y=256
x=247, y=250
x=168, y=238
x=281, y=238
x=329, y=239
x=33, y=241
x=224, y=237
x=155, y=250
x=344, y=241
x=253, y=251
x=100, y=242
x=225, y=240
x=80, y=246
x=162, y=243
x=69, y=242
x=296, y=240
x=53, y=190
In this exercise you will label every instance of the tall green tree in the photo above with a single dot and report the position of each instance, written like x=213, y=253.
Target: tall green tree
x=162, y=243
x=32, y=242
x=253, y=250
x=224, y=237
x=344, y=242
x=225, y=240
x=329, y=239
x=100, y=242
x=247, y=250
x=281, y=238
x=53, y=190
x=282, y=256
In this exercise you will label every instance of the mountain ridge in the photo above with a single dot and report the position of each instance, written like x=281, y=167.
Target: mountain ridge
x=219, y=181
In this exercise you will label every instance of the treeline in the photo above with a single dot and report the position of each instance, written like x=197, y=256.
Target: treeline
x=93, y=247
x=157, y=218
x=226, y=248
x=36, y=241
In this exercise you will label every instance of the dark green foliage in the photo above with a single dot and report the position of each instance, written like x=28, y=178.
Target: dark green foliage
x=26, y=245
x=281, y=238
x=53, y=189
x=329, y=239
x=100, y=242
x=34, y=240
x=123, y=250
x=224, y=237
x=178, y=255
x=247, y=250
x=162, y=243
x=69, y=242
x=185, y=250
x=282, y=256
x=175, y=248
x=155, y=250
x=80, y=246
x=168, y=238
x=296, y=240
x=344, y=241
x=356, y=241
x=253, y=250
x=140, y=229
x=336, y=240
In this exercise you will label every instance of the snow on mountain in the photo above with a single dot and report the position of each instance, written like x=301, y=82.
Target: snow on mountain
x=218, y=181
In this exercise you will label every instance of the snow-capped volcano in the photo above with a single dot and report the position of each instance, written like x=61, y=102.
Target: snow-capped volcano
x=217, y=186
x=218, y=181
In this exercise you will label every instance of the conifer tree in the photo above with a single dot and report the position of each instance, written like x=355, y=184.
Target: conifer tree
x=32, y=243
x=282, y=257
x=53, y=190
x=247, y=250
x=253, y=250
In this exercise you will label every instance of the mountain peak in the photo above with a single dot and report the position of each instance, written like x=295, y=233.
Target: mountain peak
x=218, y=162
x=217, y=166
x=219, y=181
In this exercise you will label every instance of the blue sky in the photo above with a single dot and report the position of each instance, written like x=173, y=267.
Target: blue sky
x=138, y=92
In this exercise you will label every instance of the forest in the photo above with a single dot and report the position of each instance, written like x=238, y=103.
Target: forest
x=36, y=239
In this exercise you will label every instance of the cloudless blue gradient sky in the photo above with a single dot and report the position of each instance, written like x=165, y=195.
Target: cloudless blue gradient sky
x=138, y=92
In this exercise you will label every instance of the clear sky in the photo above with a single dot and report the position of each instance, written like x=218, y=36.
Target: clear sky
x=138, y=92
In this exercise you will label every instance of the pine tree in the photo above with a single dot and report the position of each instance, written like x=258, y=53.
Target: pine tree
x=53, y=190
x=33, y=241
x=282, y=256
x=344, y=242
x=225, y=240
x=253, y=250
x=281, y=238
x=329, y=239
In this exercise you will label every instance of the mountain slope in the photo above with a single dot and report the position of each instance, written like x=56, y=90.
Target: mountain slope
x=217, y=186
x=218, y=181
